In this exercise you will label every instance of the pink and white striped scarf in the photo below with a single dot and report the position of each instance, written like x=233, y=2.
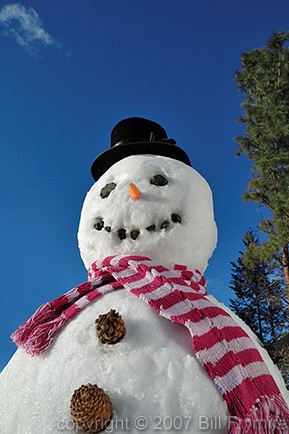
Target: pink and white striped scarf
x=177, y=293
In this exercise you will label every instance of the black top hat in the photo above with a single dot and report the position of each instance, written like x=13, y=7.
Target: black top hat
x=135, y=136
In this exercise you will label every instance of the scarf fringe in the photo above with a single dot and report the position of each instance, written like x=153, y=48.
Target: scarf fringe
x=44, y=313
x=268, y=416
x=43, y=335
x=49, y=311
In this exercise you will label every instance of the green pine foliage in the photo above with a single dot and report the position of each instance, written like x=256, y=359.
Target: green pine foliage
x=259, y=296
x=264, y=79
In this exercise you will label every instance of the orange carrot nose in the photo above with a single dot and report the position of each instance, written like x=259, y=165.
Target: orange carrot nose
x=134, y=191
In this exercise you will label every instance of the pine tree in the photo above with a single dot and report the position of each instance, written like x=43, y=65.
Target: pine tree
x=259, y=296
x=264, y=80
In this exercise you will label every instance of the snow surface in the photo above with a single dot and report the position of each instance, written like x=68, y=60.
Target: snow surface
x=152, y=373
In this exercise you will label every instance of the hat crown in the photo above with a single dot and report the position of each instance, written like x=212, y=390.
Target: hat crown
x=137, y=129
x=137, y=136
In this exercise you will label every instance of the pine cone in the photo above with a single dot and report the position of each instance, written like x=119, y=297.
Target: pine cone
x=90, y=408
x=110, y=327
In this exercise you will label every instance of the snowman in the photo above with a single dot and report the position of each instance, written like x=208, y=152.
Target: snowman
x=142, y=346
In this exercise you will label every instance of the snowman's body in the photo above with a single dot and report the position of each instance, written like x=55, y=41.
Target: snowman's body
x=152, y=376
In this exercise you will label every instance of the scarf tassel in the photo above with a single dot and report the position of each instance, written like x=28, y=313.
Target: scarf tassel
x=268, y=416
x=44, y=313
x=43, y=335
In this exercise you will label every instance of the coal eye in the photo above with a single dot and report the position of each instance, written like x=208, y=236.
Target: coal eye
x=159, y=180
x=105, y=191
x=98, y=224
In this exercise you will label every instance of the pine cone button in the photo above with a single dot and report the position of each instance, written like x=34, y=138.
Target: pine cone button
x=110, y=327
x=91, y=408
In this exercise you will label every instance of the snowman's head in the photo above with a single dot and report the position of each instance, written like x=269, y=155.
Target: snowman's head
x=149, y=205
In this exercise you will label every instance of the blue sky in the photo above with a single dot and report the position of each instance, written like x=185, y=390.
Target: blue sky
x=70, y=70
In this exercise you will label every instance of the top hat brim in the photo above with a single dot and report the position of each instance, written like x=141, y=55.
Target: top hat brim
x=108, y=158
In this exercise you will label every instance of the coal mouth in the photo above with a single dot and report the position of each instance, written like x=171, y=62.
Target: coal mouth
x=122, y=233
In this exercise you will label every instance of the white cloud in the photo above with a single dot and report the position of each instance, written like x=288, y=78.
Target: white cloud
x=25, y=26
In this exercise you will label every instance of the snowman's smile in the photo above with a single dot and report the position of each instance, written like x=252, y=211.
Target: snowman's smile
x=123, y=233
x=134, y=231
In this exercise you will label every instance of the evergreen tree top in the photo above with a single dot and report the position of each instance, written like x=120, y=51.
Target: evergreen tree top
x=264, y=79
